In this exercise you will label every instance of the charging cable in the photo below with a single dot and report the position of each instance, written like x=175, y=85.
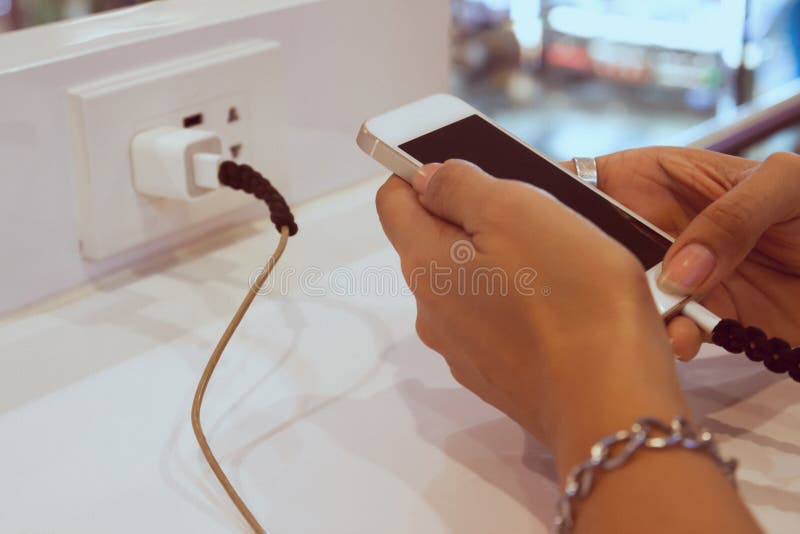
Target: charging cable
x=209, y=172
x=185, y=164
x=776, y=354
x=244, y=178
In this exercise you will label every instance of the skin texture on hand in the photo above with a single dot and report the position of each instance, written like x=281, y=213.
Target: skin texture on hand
x=571, y=364
x=745, y=213
x=546, y=351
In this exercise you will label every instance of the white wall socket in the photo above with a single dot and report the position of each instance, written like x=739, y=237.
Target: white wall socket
x=235, y=91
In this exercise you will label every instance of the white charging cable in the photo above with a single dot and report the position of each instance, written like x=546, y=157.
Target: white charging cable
x=702, y=317
x=776, y=354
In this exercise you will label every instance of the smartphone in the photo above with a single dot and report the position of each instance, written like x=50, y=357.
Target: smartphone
x=442, y=127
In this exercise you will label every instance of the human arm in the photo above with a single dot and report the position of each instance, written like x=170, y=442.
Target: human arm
x=571, y=364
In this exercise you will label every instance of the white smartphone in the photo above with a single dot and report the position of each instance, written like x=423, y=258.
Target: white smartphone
x=442, y=127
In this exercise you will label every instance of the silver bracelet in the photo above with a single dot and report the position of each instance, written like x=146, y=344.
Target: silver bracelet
x=648, y=433
x=586, y=169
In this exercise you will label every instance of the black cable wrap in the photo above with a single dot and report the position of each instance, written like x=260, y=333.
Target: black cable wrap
x=245, y=178
x=776, y=354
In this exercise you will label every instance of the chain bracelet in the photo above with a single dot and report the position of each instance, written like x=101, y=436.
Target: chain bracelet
x=614, y=451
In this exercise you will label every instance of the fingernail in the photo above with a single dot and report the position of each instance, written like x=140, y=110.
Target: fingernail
x=684, y=359
x=674, y=352
x=423, y=176
x=687, y=270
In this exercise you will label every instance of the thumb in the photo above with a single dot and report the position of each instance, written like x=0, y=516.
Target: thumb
x=723, y=234
x=454, y=191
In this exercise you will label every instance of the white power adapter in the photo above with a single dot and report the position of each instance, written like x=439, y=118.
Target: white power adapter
x=176, y=163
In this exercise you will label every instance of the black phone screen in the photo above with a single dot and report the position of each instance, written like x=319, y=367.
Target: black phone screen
x=476, y=140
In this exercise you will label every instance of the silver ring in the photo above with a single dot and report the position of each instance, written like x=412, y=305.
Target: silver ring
x=586, y=168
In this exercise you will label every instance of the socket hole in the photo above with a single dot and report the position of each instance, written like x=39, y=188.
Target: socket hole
x=236, y=150
x=193, y=120
x=233, y=115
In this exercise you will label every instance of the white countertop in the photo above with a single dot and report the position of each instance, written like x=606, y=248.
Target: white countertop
x=327, y=413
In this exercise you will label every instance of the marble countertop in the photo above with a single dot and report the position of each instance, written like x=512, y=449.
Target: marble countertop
x=327, y=413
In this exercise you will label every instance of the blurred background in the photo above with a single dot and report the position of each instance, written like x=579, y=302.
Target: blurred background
x=592, y=76
x=16, y=14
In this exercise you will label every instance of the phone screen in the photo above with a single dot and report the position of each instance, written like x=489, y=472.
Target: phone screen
x=476, y=140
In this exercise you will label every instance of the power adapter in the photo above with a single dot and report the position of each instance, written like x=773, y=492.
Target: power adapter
x=186, y=163
x=176, y=163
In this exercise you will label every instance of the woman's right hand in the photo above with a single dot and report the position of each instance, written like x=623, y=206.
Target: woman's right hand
x=737, y=228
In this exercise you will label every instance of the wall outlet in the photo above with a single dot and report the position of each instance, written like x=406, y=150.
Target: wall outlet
x=230, y=116
x=234, y=91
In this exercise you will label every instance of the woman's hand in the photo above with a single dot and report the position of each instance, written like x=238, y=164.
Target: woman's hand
x=534, y=308
x=737, y=224
x=544, y=316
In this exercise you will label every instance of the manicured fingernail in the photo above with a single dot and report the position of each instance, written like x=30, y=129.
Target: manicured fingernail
x=687, y=270
x=424, y=175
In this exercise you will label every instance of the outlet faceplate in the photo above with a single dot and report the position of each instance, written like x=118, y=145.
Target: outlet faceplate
x=235, y=91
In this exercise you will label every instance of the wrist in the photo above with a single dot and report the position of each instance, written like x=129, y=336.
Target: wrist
x=630, y=386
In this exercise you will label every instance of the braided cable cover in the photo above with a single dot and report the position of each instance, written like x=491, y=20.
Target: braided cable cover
x=776, y=354
x=245, y=178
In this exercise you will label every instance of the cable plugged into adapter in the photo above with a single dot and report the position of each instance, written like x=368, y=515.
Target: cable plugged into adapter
x=176, y=163
x=184, y=164
x=206, y=170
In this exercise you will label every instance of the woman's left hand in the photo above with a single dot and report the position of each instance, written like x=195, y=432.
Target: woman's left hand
x=737, y=227
x=534, y=308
